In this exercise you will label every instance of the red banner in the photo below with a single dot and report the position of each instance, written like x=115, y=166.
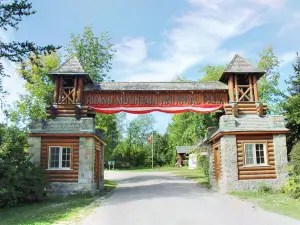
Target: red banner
x=202, y=109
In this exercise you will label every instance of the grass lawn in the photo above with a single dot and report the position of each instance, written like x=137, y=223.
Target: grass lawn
x=277, y=202
x=60, y=210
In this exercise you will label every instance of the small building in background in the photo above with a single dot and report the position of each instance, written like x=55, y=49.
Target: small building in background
x=182, y=153
x=193, y=161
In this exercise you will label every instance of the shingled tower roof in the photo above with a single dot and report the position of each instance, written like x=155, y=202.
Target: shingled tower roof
x=71, y=67
x=240, y=65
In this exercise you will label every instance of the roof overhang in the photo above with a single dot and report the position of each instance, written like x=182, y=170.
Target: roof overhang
x=157, y=86
x=220, y=134
x=85, y=75
x=224, y=77
x=67, y=135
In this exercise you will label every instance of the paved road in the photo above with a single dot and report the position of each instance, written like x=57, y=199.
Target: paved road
x=157, y=198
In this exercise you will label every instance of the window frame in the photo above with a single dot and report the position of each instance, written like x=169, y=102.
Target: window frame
x=266, y=153
x=60, y=157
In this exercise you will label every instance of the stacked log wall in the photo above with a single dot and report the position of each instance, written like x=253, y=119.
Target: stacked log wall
x=61, y=175
x=256, y=172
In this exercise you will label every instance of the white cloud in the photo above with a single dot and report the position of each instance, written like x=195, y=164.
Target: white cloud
x=271, y=3
x=287, y=58
x=291, y=25
x=196, y=37
x=131, y=51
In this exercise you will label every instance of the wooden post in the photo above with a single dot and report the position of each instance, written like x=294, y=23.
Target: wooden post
x=256, y=98
x=236, y=88
x=56, y=90
x=251, y=87
x=231, y=88
x=61, y=88
x=80, y=89
x=75, y=90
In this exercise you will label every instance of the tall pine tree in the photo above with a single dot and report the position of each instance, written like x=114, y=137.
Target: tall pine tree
x=11, y=14
x=292, y=105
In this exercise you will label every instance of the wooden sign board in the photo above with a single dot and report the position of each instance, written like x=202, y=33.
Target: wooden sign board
x=163, y=98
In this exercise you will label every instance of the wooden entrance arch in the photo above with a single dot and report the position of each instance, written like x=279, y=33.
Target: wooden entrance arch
x=75, y=94
x=244, y=148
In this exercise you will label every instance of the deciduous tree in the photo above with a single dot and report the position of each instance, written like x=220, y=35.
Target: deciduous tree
x=268, y=85
x=94, y=52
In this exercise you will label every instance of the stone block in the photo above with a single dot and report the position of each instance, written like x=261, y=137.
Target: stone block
x=86, y=159
x=227, y=122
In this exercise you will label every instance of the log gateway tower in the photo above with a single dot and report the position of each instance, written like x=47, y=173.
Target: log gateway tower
x=248, y=147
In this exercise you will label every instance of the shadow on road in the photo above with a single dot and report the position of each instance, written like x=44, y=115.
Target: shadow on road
x=147, y=187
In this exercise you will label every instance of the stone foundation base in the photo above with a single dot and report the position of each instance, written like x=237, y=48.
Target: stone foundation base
x=254, y=184
x=63, y=188
x=250, y=185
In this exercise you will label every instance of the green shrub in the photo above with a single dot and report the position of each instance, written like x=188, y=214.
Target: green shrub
x=203, y=163
x=21, y=180
x=292, y=187
x=265, y=189
x=295, y=159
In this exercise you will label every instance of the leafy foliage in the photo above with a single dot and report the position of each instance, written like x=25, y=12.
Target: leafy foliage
x=95, y=53
x=39, y=88
x=11, y=14
x=21, y=181
x=292, y=187
x=108, y=124
x=203, y=163
x=212, y=73
x=291, y=105
x=268, y=88
x=265, y=189
x=133, y=150
x=295, y=159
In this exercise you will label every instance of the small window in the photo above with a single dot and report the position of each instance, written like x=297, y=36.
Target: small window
x=255, y=154
x=59, y=157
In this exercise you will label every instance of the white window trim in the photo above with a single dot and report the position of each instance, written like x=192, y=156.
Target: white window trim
x=254, y=155
x=60, y=158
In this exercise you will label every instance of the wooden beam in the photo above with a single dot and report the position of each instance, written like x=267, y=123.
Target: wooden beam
x=75, y=90
x=80, y=90
x=251, y=87
x=61, y=88
x=231, y=88
x=256, y=98
x=236, y=88
x=244, y=94
x=256, y=168
x=263, y=176
x=56, y=90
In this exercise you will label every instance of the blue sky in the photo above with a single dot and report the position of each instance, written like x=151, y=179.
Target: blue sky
x=159, y=40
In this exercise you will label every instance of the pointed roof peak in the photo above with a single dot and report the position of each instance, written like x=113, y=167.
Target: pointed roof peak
x=240, y=65
x=70, y=66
